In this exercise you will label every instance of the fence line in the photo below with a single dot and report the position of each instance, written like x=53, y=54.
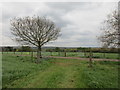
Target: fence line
x=70, y=54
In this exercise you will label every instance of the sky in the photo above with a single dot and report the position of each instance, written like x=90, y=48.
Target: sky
x=80, y=22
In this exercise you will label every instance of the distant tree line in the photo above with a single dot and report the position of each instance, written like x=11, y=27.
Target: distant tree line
x=82, y=49
x=58, y=49
x=13, y=49
x=10, y=49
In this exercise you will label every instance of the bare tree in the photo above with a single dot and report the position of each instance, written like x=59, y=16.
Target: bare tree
x=111, y=33
x=35, y=31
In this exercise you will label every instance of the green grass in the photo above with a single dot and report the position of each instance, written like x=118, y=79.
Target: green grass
x=15, y=67
x=21, y=72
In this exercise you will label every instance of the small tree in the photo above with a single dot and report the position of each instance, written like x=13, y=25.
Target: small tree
x=35, y=31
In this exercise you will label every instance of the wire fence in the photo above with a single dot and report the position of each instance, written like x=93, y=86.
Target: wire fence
x=68, y=54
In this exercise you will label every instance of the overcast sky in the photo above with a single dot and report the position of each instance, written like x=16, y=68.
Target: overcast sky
x=80, y=22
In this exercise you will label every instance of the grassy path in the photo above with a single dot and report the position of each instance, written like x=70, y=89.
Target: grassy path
x=62, y=74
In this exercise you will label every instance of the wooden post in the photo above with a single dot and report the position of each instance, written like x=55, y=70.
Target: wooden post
x=32, y=56
x=90, y=58
x=65, y=52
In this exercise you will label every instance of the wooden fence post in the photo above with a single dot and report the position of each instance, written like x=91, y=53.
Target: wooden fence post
x=32, y=56
x=65, y=52
x=90, y=58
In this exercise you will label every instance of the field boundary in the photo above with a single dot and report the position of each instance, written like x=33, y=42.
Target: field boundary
x=94, y=59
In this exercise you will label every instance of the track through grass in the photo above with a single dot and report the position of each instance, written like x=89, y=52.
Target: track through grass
x=20, y=72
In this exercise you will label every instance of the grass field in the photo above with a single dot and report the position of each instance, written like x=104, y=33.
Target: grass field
x=21, y=72
x=72, y=54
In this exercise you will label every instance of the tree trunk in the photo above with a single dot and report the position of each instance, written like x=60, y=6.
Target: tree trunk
x=39, y=55
x=90, y=58
x=32, y=56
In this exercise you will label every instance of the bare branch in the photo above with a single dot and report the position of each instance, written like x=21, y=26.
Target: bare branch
x=34, y=30
x=111, y=33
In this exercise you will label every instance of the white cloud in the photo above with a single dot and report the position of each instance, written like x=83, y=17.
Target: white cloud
x=80, y=22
